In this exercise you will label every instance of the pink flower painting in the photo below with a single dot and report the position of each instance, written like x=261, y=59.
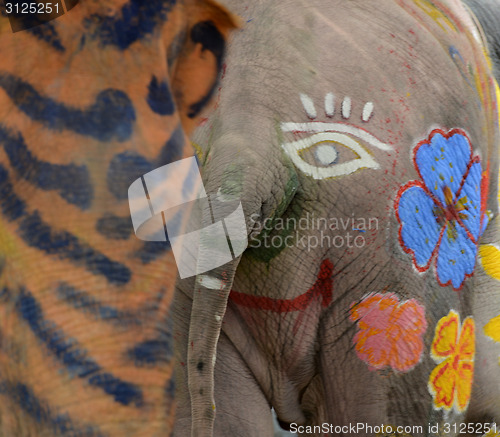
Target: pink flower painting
x=390, y=331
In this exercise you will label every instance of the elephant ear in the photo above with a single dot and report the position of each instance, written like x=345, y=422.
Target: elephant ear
x=200, y=63
x=487, y=14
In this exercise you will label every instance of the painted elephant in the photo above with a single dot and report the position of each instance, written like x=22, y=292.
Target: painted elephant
x=362, y=145
x=89, y=102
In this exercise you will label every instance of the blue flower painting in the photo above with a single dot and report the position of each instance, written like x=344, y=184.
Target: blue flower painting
x=440, y=215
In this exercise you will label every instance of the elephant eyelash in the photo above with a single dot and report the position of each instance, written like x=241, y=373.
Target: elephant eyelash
x=327, y=137
x=345, y=107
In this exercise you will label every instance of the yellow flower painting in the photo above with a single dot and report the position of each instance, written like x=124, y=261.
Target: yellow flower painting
x=453, y=348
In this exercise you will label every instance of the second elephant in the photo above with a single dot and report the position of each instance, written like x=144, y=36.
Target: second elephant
x=362, y=144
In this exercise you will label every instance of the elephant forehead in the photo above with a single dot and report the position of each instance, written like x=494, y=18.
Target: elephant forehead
x=345, y=47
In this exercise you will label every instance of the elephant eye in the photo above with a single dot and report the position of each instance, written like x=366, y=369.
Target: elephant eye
x=325, y=150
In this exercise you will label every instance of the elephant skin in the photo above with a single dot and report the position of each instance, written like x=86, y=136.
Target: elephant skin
x=347, y=308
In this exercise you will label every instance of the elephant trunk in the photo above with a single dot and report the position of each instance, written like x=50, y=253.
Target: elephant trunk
x=221, y=240
x=244, y=200
x=211, y=292
x=209, y=305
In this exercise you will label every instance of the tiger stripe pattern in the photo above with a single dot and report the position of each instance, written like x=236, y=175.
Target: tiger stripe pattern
x=89, y=102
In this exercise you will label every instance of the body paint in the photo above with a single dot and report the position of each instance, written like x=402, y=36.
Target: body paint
x=37, y=408
x=36, y=233
x=453, y=348
x=72, y=356
x=88, y=304
x=328, y=139
x=321, y=289
x=111, y=116
x=390, y=331
x=124, y=29
x=48, y=33
x=440, y=217
x=72, y=182
x=160, y=99
x=490, y=260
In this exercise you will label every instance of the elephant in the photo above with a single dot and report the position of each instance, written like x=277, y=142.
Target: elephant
x=361, y=144
x=89, y=101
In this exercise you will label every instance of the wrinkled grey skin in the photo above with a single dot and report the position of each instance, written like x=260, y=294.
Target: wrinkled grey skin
x=303, y=362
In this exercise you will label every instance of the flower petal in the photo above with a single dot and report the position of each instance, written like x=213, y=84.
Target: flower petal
x=446, y=335
x=411, y=317
x=464, y=384
x=442, y=383
x=372, y=347
x=442, y=161
x=406, y=352
x=490, y=259
x=492, y=329
x=420, y=231
x=466, y=343
x=456, y=256
x=469, y=197
x=375, y=310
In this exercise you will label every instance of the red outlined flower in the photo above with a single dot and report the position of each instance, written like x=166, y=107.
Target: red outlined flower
x=442, y=215
x=450, y=382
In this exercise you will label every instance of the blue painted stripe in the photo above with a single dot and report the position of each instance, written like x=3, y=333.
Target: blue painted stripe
x=172, y=150
x=69, y=353
x=152, y=250
x=123, y=170
x=36, y=233
x=151, y=352
x=114, y=227
x=71, y=181
x=83, y=301
x=40, y=411
x=160, y=98
x=125, y=167
x=157, y=350
x=48, y=33
x=138, y=19
x=110, y=117
x=12, y=207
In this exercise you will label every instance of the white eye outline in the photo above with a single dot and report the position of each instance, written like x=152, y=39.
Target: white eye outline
x=337, y=133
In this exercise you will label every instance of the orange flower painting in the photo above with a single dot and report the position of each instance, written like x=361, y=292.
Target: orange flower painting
x=453, y=347
x=390, y=332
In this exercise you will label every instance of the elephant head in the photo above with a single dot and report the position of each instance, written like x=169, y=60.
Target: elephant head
x=89, y=101
x=351, y=121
